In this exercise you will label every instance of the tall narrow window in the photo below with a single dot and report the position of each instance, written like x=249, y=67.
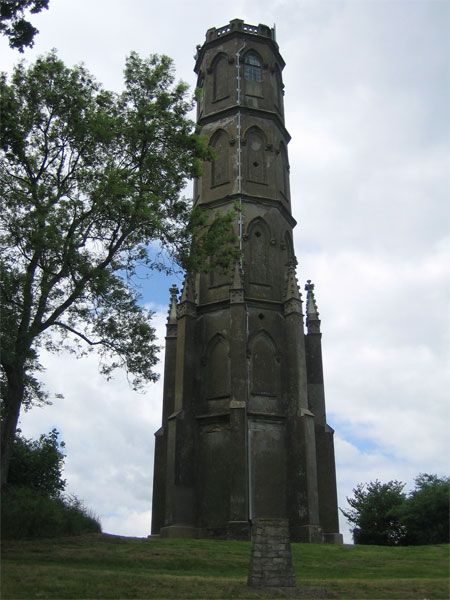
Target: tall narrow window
x=256, y=168
x=252, y=67
x=219, y=165
x=220, y=79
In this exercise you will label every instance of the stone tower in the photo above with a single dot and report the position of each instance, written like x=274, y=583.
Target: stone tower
x=244, y=432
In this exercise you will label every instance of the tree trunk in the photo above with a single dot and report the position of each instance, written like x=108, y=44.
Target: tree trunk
x=15, y=375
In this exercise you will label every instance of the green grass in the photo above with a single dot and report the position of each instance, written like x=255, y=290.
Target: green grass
x=101, y=566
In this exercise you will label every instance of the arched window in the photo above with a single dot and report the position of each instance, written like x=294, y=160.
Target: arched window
x=252, y=67
x=219, y=166
x=220, y=79
x=255, y=149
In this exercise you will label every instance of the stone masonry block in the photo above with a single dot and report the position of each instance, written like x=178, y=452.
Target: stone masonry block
x=271, y=559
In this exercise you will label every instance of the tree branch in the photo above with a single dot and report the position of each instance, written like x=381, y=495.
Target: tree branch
x=81, y=335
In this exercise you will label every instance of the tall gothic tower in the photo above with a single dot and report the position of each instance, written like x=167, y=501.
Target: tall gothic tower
x=244, y=432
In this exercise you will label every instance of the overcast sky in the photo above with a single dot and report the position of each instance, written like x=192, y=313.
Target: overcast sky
x=367, y=105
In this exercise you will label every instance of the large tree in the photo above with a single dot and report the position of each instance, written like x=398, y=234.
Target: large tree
x=90, y=185
x=13, y=23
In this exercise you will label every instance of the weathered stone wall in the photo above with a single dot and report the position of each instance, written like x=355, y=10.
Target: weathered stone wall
x=271, y=559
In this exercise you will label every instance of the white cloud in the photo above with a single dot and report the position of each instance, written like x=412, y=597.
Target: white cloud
x=367, y=105
x=108, y=430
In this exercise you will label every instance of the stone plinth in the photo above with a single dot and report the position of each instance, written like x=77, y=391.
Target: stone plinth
x=271, y=559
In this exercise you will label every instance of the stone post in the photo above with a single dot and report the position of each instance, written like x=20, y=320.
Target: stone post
x=271, y=559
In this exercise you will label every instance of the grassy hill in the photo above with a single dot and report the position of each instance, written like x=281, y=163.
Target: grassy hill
x=102, y=566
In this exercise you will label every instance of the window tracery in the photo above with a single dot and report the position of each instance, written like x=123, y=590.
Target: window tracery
x=252, y=67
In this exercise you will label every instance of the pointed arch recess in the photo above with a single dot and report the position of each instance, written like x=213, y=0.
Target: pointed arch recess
x=265, y=375
x=257, y=252
x=217, y=363
x=219, y=67
x=220, y=169
x=255, y=142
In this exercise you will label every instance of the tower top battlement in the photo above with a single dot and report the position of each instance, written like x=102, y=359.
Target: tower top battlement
x=239, y=25
x=237, y=28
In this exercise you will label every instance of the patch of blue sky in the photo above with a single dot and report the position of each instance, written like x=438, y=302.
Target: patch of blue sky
x=355, y=434
x=152, y=284
x=362, y=442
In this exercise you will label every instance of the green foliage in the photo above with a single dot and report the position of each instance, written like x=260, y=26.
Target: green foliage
x=33, y=504
x=426, y=512
x=38, y=464
x=13, y=23
x=372, y=512
x=382, y=514
x=27, y=513
x=34, y=392
x=90, y=182
x=203, y=254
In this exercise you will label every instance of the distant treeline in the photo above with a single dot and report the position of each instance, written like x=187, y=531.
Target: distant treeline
x=381, y=513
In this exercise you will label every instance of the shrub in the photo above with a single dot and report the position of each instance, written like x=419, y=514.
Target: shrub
x=426, y=512
x=38, y=464
x=27, y=513
x=373, y=513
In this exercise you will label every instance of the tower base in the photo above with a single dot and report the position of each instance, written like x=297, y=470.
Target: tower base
x=333, y=538
x=310, y=534
x=179, y=531
x=239, y=530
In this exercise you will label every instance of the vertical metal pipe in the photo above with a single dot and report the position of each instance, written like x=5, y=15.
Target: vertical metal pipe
x=239, y=147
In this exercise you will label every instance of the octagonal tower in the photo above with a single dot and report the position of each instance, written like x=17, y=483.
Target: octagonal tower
x=244, y=432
